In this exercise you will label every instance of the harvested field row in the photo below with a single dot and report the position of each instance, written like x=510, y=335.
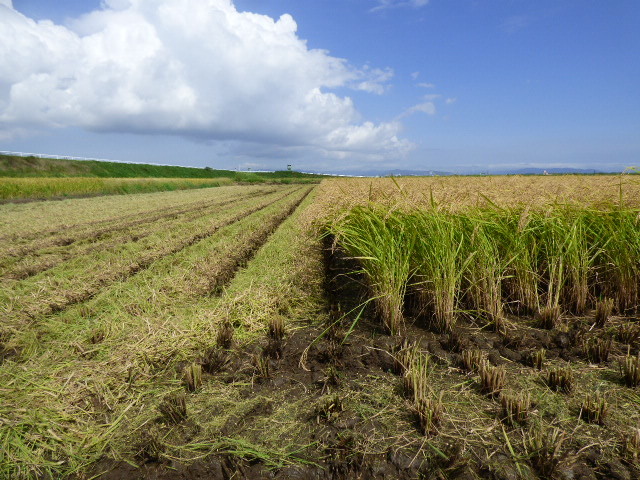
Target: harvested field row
x=39, y=256
x=34, y=220
x=66, y=235
x=76, y=281
x=346, y=414
x=212, y=277
x=126, y=344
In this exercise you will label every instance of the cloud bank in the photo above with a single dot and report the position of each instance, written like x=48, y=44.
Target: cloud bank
x=196, y=68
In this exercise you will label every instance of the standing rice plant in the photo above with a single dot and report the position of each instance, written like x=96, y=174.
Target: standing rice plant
x=484, y=272
x=518, y=243
x=384, y=246
x=551, y=261
x=618, y=261
x=579, y=258
x=439, y=267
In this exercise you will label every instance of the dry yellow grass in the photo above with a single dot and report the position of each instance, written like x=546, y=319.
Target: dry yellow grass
x=461, y=192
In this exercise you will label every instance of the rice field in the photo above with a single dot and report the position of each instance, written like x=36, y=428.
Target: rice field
x=480, y=327
x=42, y=187
x=538, y=272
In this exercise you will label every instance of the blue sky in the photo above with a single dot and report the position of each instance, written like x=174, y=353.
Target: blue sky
x=334, y=85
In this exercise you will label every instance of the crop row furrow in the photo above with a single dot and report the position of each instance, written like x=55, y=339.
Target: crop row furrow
x=212, y=277
x=100, y=358
x=48, y=297
x=166, y=289
x=65, y=236
x=89, y=243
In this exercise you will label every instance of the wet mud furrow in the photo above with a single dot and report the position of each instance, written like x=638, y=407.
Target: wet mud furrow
x=67, y=298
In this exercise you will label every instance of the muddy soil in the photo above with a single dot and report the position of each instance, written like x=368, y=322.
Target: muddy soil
x=302, y=364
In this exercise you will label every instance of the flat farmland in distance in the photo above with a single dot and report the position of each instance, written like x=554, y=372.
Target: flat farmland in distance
x=449, y=327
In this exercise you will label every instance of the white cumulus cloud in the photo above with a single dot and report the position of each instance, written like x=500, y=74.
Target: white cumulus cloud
x=425, y=107
x=197, y=68
x=385, y=4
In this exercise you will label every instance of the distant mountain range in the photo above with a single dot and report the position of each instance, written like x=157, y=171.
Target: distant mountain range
x=541, y=171
x=432, y=173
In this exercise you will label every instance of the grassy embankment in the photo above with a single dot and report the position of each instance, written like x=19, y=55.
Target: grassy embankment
x=35, y=177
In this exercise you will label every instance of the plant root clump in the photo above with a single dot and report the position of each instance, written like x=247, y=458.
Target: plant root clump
x=594, y=409
x=192, y=377
x=549, y=317
x=515, y=407
x=536, y=358
x=597, y=349
x=429, y=410
x=472, y=360
x=224, y=337
x=214, y=360
x=560, y=379
x=628, y=334
x=630, y=370
x=492, y=379
x=173, y=408
x=544, y=447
